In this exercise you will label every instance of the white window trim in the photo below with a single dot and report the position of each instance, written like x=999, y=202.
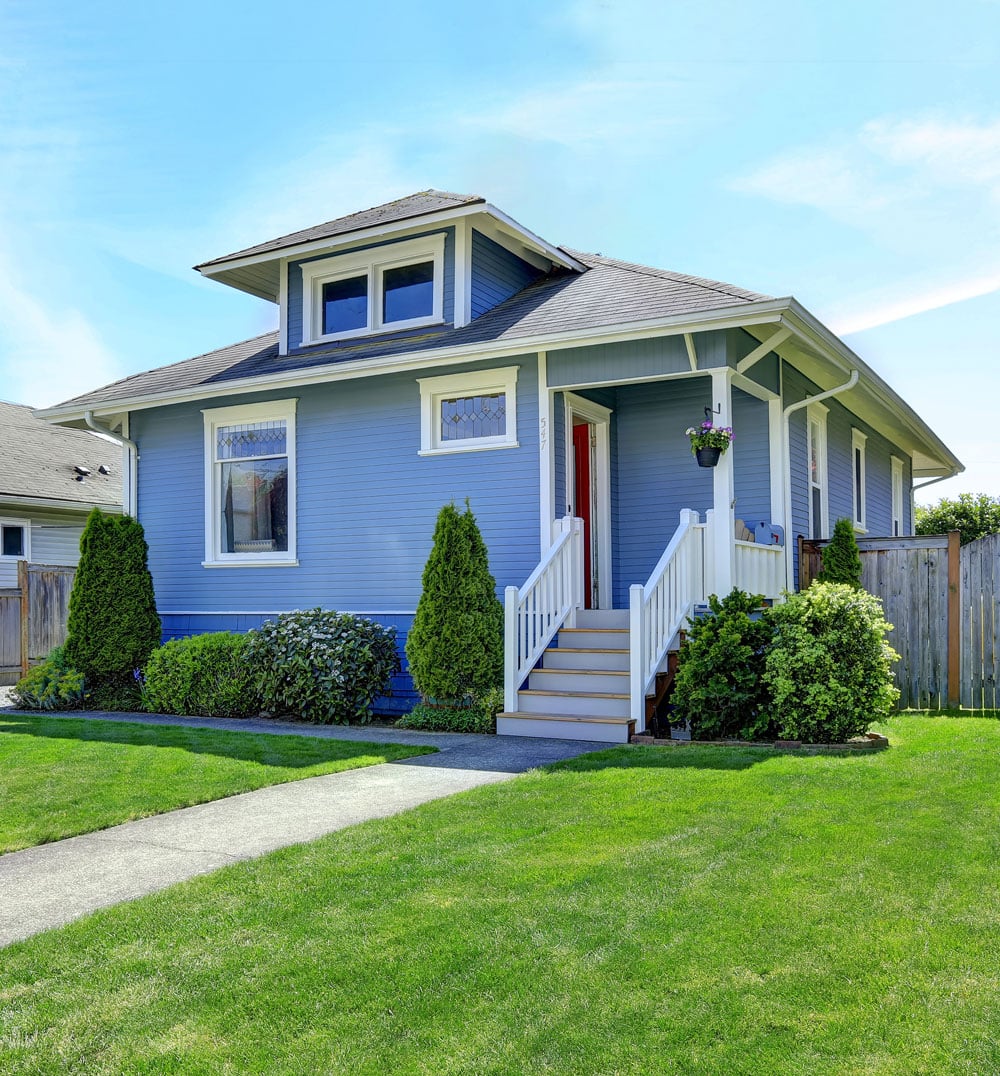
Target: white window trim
x=858, y=442
x=373, y=263
x=230, y=416
x=434, y=389
x=25, y=525
x=898, y=480
x=817, y=413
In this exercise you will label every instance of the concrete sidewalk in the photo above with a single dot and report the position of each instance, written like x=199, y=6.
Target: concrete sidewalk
x=52, y=884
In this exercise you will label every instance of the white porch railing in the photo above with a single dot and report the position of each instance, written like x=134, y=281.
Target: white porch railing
x=760, y=569
x=535, y=612
x=658, y=610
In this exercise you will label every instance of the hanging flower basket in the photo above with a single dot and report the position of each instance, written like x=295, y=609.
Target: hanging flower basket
x=708, y=442
x=707, y=457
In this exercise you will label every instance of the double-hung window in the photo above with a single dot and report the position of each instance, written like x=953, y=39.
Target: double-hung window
x=897, y=496
x=384, y=289
x=468, y=412
x=250, y=484
x=858, y=477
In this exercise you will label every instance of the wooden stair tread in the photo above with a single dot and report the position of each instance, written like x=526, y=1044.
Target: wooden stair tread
x=591, y=719
x=583, y=672
x=599, y=631
x=576, y=694
x=586, y=650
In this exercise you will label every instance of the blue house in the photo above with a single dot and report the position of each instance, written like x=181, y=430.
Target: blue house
x=433, y=349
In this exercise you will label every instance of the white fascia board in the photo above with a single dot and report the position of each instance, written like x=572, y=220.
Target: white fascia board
x=730, y=317
x=828, y=345
x=398, y=228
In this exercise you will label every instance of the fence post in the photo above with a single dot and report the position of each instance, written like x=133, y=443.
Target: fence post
x=954, y=621
x=22, y=582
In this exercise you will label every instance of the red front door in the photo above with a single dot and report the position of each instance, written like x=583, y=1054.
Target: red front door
x=582, y=498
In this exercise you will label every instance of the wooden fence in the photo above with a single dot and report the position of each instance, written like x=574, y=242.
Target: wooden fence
x=32, y=616
x=980, y=568
x=918, y=580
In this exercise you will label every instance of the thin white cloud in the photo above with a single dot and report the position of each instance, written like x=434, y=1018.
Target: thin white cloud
x=925, y=189
x=48, y=356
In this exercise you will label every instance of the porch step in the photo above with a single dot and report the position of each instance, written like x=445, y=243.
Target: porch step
x=594, y=638
x=586, y=681
x=566, y=727
x=573, y=703
x=583, y=657
x=602, y=618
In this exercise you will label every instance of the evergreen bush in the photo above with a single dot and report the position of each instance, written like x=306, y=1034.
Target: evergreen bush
x=204, y=675
x=52, y=685
x=455, y=646
x=828, y=670
x=113, y=625
x=718, y=689
x=841, y=559
x=322, y=666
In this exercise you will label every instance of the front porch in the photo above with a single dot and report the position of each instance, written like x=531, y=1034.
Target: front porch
x=595, y=674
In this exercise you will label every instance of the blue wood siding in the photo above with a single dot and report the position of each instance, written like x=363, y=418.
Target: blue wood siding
x=295, y=280
x=607, y=363
x=751, y=459
x=656, y=475
x=366, y=503
x=840, y=465
x=497, y=274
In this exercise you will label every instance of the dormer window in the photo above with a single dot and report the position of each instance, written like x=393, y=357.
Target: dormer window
x=384, y=289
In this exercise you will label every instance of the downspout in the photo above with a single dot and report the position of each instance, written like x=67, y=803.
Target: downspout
x=128, y=486
x=848, y=384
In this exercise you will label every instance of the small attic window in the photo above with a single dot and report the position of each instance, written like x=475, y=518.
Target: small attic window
x=383, y=289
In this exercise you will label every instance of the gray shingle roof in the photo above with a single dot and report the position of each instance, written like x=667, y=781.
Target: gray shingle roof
x=37, y=461
x=413, y=205
x=609, y=293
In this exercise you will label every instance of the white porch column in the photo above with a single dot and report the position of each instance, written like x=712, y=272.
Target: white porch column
x=723, y=553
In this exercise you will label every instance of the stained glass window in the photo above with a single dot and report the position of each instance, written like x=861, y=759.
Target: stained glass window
x=253, y=474
x=465, y=417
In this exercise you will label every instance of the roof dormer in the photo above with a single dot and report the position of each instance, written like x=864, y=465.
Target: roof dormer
x=430, y=260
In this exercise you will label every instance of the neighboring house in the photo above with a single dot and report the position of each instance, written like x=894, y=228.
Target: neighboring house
x=50, y=478
x=433, y=349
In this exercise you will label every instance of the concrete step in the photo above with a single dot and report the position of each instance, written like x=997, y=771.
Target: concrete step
x=571, y=657
x=602, y=618
x=588, y=681
x=573, y=703
x=566, y=727
x=594, y=638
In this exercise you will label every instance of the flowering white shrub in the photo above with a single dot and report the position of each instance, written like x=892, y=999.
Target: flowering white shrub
x=321, y=665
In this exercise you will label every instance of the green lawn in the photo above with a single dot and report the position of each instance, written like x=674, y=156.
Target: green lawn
x=645, y=910
x=64, y=776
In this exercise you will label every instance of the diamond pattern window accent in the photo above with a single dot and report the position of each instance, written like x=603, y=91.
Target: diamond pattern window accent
x=467, y=417
x=251, y=440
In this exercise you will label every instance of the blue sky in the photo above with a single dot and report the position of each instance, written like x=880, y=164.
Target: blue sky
x=848, y=154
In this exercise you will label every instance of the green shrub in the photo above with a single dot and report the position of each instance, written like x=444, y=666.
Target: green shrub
x=829, y=667
x=321, y=665
x=718, y=689
x=455, y=646
x=427, y=718
x=53, y=685
x=113, y=626
x=973, y=515
x=841, y=559
x=206, y=675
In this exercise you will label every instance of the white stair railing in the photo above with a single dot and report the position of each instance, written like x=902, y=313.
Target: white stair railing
x=760, y=569
x=535, y=612
x=658, y=610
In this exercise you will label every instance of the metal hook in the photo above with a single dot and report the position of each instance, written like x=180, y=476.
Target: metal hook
x=710, y=411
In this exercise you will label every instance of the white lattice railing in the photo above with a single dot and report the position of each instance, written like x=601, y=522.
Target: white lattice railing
x=760, y=569
x=535, y=612
x=658, y=610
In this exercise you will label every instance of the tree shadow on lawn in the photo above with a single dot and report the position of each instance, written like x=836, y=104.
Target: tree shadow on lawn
x=291, y=751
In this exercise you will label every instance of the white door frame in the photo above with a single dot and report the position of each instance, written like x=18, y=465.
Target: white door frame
x=600, y=418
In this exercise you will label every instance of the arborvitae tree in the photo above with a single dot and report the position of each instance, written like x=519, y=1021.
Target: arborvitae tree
x=841, y=559
x=973, y=515
x=113, y=625
x=455, y=646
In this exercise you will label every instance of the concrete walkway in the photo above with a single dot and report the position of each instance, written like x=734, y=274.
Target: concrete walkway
x=52, y=884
